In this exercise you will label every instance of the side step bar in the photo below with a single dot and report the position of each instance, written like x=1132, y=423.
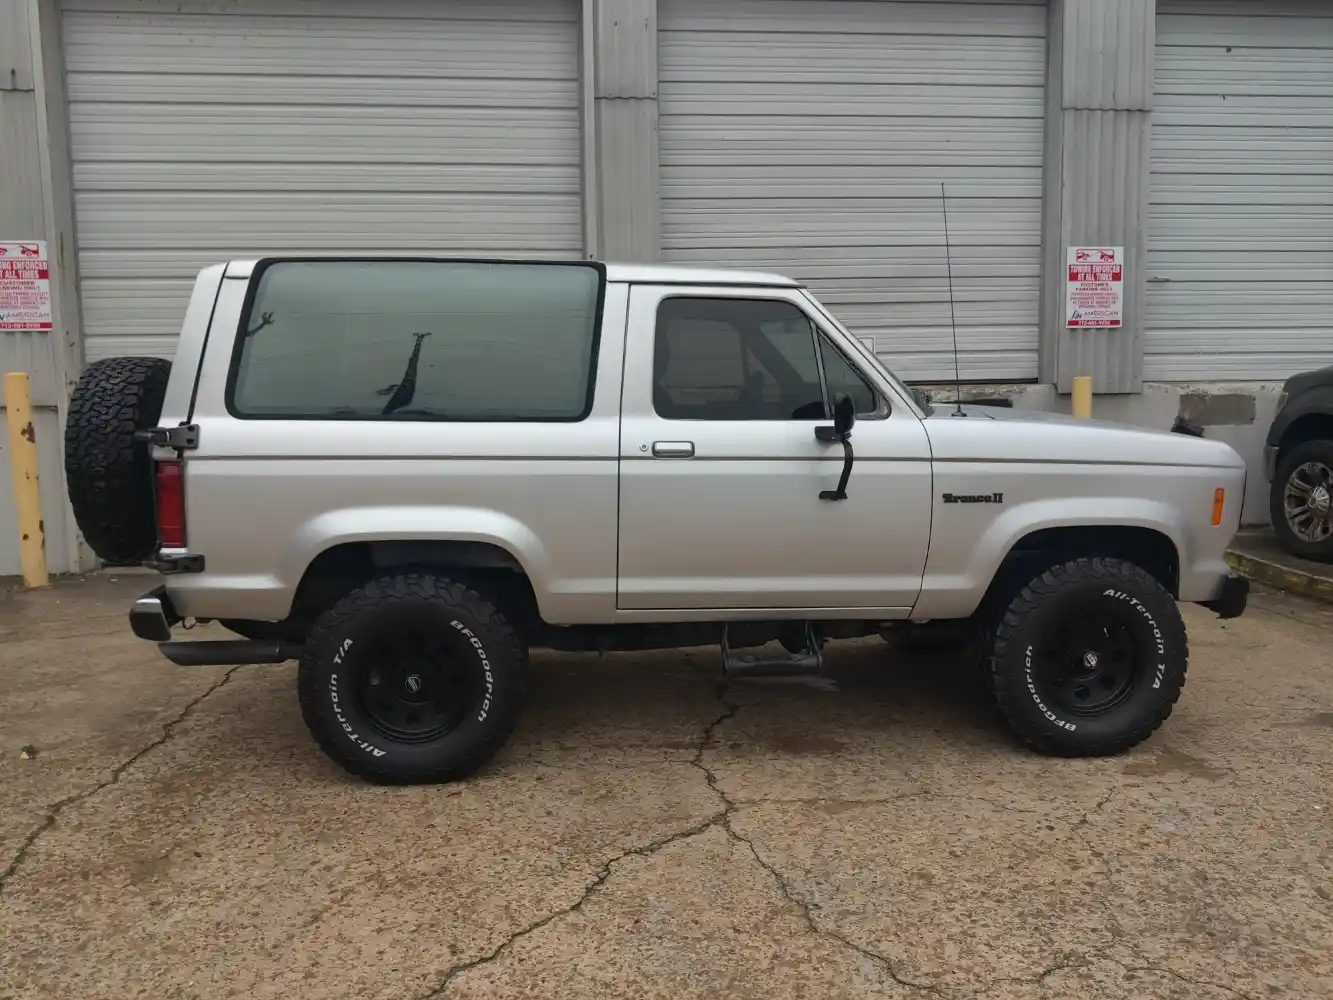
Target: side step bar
x=228, y=653
x=809, y=660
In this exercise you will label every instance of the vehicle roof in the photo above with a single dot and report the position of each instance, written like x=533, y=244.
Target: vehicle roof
x=648, y=274
x=679, y=274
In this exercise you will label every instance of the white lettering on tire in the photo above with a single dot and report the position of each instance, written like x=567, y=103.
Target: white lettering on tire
x=370, y=748
x=1032, y=690
x=1159, y=676
x=485, y=666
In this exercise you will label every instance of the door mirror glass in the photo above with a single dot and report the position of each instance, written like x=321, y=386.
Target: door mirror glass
x=844, y=413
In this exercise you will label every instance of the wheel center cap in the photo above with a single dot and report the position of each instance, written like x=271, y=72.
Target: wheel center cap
x=412, y=682
x=1319, y=499
x=1090, y=660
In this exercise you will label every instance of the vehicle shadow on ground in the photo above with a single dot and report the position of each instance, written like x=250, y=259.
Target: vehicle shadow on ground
x=869, y=691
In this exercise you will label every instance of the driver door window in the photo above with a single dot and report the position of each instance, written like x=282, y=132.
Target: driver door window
x=746, y=359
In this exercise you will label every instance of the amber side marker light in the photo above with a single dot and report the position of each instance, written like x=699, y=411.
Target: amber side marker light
x=1219, y=501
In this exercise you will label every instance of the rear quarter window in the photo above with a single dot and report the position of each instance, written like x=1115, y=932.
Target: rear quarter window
x=424, y=340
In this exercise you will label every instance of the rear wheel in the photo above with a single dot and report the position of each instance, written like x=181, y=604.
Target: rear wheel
x=1301, y=500
x=110, y=474
x=412, y=678
x=1089, y=658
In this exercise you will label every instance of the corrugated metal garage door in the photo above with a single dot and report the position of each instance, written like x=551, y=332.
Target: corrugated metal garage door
x=203, y=131
x=811, y=137
x=1240, y=262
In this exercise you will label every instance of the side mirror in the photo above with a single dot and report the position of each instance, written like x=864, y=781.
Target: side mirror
x=844, y=414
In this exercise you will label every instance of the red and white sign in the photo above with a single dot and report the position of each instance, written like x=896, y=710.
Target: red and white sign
x=1095, y=289
x=25, y=286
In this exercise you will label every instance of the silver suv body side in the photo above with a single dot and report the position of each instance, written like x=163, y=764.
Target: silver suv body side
x=626, y=516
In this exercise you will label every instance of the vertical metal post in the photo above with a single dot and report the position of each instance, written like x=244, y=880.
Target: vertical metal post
x=1082, y=396
x=27, y=495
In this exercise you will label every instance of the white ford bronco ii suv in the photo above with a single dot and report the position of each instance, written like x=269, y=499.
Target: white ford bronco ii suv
x=406, y=472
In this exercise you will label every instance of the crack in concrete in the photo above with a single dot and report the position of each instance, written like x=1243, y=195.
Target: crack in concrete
x=1119, y=935
x=606, y=870
x=723, y=820
x=54, y=811
x=599, y=880
x=784, y=887
x=1185, y=979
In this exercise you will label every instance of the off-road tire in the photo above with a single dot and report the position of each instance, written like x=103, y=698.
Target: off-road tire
x=1318, y=450
x=110, y=474
x=340, y=647
x=1150, y=618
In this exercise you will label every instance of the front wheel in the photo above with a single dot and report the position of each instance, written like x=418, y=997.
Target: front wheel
x=1089, y=659
x=412, y=678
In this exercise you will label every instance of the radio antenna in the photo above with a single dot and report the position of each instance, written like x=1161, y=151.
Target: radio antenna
x=953, y=322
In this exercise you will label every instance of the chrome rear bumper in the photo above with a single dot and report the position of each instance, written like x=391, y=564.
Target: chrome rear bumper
x=152, y=616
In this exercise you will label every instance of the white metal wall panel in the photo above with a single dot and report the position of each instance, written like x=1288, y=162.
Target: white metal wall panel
x=811, y=137
x=205, y=131
x=1240, y=240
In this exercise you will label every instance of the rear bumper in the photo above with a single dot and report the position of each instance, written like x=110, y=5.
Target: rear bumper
x=1231, y=601
x=152, y=616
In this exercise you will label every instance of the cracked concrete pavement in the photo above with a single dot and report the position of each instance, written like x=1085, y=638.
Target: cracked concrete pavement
x=652, y=832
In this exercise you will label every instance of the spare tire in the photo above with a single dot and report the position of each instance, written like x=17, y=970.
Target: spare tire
x=109, y=473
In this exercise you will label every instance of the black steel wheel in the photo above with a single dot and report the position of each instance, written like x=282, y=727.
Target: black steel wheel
x=412, y=678
x=416, y=688
x=1089, y=664
x=1088, y=659
x=1301, y=500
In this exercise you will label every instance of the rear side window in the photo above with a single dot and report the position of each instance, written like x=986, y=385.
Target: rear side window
x=425, y=340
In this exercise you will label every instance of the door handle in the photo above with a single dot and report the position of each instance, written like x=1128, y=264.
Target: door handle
x=673, y=449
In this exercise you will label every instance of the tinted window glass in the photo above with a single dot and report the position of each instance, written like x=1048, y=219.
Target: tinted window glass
x=418, y=339
x=735, y=359
x=842, y=377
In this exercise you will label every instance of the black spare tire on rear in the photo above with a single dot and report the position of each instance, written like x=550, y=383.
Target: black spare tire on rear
x=109, y=473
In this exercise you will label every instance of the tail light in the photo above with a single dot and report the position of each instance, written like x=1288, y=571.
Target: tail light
x=171, y=504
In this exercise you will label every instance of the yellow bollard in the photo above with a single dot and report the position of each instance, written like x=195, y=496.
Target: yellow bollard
x=1082, y=398
x=27, y=496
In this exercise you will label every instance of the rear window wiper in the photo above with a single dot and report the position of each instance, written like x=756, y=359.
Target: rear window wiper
x=406, y=387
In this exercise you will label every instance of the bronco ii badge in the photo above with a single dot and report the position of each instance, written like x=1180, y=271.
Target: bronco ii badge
x=974, y=498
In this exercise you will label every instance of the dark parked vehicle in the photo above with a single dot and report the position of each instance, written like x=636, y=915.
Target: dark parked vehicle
x=1298, y=457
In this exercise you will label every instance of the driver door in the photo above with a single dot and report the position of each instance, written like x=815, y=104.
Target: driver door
x=721, y=471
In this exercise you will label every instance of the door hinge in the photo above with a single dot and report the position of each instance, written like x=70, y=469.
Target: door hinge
x=184, y=437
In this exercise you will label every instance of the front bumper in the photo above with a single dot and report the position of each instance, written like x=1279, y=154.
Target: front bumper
x=1230, y=603
x=153, y=615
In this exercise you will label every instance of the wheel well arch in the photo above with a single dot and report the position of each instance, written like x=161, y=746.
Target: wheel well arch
x=1307, y=427
x=490, y=568
x=1039, y=550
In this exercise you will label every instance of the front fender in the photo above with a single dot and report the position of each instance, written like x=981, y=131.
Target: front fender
x=960, y=568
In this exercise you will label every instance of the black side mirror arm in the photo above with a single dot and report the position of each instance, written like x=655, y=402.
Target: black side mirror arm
x=848, y=459
x=844, y=418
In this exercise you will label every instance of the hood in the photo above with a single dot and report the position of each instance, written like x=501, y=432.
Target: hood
x=991, y=433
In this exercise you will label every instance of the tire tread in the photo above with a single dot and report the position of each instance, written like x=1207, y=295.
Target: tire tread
x=1107, y=570
x=470, y=606
x=109, y=473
